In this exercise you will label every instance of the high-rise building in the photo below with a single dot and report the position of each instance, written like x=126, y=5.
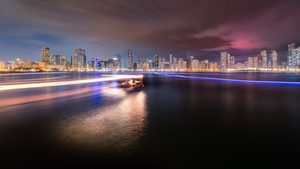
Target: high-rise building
x=45, y=54
x=274, y=59
x=156, y=62
x=293, y=57
x=230, y=62
x=224, y=60
x=171, y=62
x=181, y=65
x=58, y=60
x=250, y=63
x=130, y=59
x=189, y=62
x=79, y=59
x=290, y=60
x=264, y=59
x=260, y=61
x=97, y=63
x=255, y=62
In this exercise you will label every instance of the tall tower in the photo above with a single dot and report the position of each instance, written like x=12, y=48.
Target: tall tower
x=224, y=60
x=274, y=58
x=130, y=59
x=45, y=55
x=290, y=60
x=171, y=62
x=79, y=59
x=264, y=58
x=156, y=62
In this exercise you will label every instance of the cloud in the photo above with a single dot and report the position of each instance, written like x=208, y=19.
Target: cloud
x=191, y=26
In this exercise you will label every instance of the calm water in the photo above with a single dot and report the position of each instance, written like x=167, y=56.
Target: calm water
x=174, y=122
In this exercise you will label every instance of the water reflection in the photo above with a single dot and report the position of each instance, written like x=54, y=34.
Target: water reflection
x=115, y=126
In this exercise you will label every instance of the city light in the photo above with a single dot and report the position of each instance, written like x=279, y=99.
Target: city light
x=66, y=83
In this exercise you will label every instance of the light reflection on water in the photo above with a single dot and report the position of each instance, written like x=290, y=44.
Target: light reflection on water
x=115, y=126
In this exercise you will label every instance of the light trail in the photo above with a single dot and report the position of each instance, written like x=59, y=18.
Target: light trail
x=66, y=83
x=237, y=80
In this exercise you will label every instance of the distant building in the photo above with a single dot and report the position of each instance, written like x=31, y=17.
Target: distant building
x=264, y=61
x=231, y=62
x=45, y=54
x=23, y=64
x=79, y=59
x=250, y=64
x=291, y=59
x=189, y=62
x=274, y=59
x=96, y=63
x=2, y=65
x=156, y=62
x=130, y=59
x=171, y=61
x=213, y=66
x=119, y=59
x=226, y=61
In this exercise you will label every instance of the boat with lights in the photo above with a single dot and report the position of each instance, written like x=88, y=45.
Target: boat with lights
x=133, y=83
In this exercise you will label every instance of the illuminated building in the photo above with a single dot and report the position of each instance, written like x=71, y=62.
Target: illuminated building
x=293, y=57
x=230, y=62
x=250, y=64
x=290, y=60
x=156, y=62
x=239, y=66
x=79, y=59
x=181, y=65
x=21, y=64
x=45, y=54
x=224, y=60
x=203, y=66
x=260, y=62
x=189, y=62
x=119, y=59
x=255, y=62
x=161, y=63
x=2, y=65
x=274, y=58
x=97, y=63
x=130, y=59
x=195, y=64
x=264, y=59
x=213, y=66
x=171, y=62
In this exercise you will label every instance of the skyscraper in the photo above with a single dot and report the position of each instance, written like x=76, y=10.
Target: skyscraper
x=291, y=49
x=231, y=62
x=156, y=62
x=45, y=55
x=130, y=59
x=119, y=61
x=97, y=63
x=171, y=62
x=274, y=58
x=264, y=57
x=293, y=57
x=79, y=59
x=224, y=60
x=250, y=63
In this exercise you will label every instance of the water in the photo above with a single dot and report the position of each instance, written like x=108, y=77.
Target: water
x=174, y=122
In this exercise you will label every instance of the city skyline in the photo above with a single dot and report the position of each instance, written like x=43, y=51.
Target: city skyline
x=105, y=28
x=265, y=60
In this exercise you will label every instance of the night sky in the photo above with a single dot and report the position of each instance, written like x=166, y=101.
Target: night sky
x=183, y=27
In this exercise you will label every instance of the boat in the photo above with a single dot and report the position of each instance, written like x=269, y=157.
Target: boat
x=133, y=83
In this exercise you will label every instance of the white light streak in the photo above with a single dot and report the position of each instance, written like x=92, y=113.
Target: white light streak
x=66, y=83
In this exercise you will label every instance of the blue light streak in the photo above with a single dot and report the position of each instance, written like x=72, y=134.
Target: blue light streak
x=261, y=82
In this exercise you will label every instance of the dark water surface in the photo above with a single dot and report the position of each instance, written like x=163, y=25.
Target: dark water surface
x=174, y=122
